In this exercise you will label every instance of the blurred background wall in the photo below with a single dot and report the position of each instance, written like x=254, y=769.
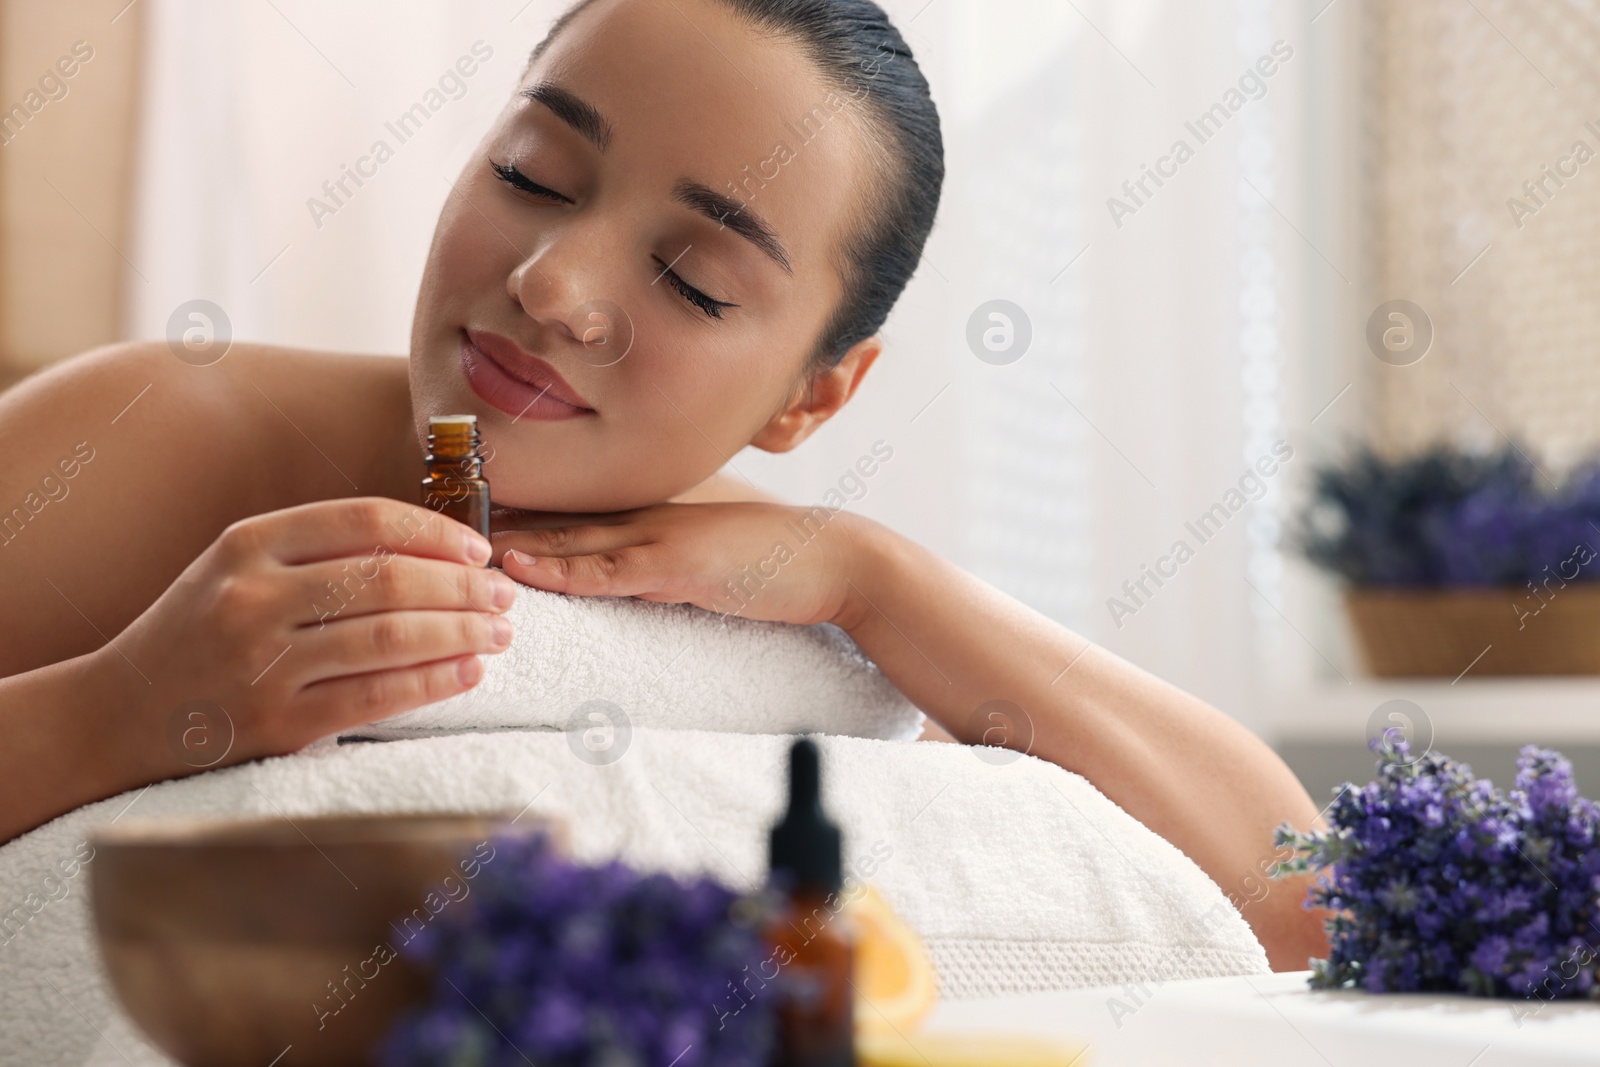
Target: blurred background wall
x=69, y=87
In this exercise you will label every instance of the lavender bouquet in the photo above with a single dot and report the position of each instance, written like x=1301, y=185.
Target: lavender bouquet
x=1441, y=882
x=565, y=965
x=1448, y=518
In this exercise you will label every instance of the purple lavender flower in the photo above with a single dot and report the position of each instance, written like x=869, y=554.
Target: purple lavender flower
x=1447, y=518
x=575, y=966
x=1440, y=882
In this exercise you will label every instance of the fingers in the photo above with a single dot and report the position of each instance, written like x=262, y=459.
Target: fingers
x=359, y=526
x=346, y=588
x=571, y=540
x=507, y=521
x=351, y=700
x=393, y=639
x=620, y=572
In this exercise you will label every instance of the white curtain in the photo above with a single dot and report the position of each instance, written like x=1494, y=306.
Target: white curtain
x=251, y=106
x=1168, y=345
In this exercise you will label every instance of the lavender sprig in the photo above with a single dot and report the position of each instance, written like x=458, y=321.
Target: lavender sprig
x=577, y=966
x=1441, y=882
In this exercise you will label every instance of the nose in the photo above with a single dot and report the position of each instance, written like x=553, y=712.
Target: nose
x=552, y=282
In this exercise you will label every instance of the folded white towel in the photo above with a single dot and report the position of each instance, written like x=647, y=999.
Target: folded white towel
x=1019, y=877
x=634, y=663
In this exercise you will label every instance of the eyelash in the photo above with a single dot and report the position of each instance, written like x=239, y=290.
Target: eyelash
x=710, y=305
x=518, y=180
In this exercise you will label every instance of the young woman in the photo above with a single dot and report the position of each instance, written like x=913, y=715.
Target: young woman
x=208, y=507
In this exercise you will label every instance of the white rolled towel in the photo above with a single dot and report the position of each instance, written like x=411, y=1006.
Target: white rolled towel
x=605, y=664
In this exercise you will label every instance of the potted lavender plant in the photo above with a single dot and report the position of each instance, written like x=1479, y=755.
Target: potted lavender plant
x=1454, y=560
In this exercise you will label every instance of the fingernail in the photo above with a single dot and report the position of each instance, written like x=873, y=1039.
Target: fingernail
x=505, y=592
x=469, y=670
x=521, y=557
x=478, y=549
x=502, y=631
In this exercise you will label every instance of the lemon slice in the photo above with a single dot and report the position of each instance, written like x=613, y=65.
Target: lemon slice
x=895, y=986
x=966, y=1050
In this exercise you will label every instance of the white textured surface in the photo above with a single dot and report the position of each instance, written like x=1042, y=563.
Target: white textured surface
x=1276, y=1020
x=1021, y=876
x=667, y=665
x=1271, y=1020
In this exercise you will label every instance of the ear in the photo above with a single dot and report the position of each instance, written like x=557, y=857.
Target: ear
x=818, y=398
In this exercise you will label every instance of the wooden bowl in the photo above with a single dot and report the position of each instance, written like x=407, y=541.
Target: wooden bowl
x=271, y=941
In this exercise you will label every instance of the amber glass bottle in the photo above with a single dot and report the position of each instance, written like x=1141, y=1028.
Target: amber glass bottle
x=812, y=938
x=455, y=485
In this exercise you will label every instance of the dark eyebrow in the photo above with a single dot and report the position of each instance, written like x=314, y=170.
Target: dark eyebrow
x=574, y=111
x=728, y=212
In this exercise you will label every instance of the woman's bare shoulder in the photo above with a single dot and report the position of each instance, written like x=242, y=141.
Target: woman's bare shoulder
x=295, y=373
x=250, y=403
x=124, y=463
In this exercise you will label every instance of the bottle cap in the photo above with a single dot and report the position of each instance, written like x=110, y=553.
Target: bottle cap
x=805, y=845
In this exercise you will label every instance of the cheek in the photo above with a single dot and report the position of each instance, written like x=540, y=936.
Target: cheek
x=468, y=260
x=465, y=273
x=704, y=387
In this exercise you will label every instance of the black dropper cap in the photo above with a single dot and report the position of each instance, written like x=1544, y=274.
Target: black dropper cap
x=805, y=845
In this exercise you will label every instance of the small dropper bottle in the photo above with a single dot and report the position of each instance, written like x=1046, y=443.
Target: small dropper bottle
x=812, y=938
x=455, y=485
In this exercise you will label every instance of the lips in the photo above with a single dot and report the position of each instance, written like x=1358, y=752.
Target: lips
x=517, y=383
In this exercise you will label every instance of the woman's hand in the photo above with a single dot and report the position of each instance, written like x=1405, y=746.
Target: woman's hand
x=298, y=623
x=761, y=561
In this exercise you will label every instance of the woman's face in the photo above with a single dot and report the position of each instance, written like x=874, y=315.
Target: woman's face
x=648, y=221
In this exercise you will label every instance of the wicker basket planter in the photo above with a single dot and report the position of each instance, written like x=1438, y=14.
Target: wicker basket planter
x=1439, y=632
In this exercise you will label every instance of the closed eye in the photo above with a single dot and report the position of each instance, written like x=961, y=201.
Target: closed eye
x=518, y=180
x=710, y=305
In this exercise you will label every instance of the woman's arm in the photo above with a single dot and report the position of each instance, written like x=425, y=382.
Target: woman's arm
x=290, y=626
x=723, y=486
x=168, y=609
x=65, y=741
x=952, y=644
